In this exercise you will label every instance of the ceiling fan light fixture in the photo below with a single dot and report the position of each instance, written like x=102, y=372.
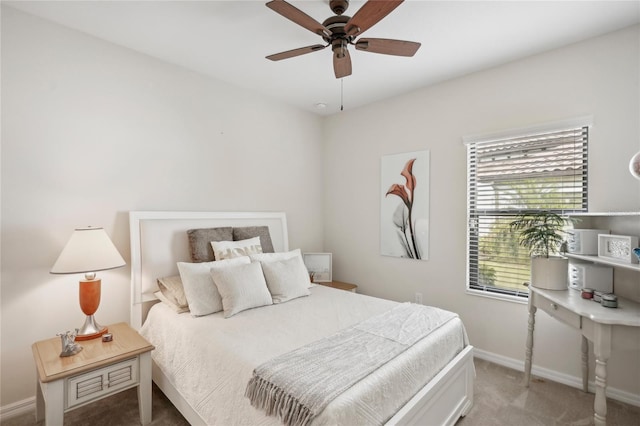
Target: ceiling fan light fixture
x=339, y=47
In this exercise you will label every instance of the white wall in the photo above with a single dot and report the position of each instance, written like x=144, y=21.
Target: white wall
x=599, y=77
x=91, y=131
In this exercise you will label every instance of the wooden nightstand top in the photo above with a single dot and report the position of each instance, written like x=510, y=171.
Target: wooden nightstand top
x=340, y=285
x=95, y=353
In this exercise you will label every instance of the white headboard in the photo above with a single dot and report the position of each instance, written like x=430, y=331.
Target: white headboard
x=159, y=240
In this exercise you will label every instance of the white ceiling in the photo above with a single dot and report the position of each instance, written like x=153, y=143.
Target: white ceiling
x=228, y=40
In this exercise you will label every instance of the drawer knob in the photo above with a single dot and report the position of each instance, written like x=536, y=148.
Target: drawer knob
x=554, y=306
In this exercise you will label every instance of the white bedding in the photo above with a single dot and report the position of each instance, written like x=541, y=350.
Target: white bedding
x=210, y=359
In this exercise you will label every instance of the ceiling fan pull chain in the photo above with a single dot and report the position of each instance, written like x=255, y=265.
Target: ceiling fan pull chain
x=341, y=94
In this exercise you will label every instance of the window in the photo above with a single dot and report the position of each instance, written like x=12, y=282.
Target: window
x=508, y=175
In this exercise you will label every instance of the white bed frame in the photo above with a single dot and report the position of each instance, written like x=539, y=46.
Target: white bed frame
x=159, y=240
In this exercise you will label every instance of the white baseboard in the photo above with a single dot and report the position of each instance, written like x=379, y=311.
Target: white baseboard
x=565, y=379
x=18, y=408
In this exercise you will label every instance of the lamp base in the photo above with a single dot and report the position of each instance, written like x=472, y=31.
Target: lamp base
x=91, y=329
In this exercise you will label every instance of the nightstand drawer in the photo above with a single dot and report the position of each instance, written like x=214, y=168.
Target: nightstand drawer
x=559, y=312
x=99, y=383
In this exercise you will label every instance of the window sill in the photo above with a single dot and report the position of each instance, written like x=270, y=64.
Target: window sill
x=498, y=296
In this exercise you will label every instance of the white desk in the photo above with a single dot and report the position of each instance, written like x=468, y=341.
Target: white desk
x=596, y=323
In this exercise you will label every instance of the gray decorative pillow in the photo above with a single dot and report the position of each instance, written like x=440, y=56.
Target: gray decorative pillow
x=246, y=232
x=200, y=242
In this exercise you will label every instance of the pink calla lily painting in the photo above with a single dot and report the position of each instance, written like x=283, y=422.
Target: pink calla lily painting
x=404, y=222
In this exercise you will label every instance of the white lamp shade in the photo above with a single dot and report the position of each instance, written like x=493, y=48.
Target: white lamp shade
x=88, y=250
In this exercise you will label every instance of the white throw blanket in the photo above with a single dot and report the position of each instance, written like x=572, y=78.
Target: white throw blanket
x=298, y=385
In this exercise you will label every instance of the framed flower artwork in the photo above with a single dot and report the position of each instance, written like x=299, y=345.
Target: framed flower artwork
x=404, y=207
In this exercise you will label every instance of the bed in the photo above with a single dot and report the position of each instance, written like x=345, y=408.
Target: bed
x=206, y=381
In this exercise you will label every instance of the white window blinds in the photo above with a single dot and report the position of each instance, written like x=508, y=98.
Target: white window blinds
x=509, y=176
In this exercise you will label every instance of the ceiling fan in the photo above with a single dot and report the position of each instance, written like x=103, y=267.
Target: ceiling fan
x=340, y=30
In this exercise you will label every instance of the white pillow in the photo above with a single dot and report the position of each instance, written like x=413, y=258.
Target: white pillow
x=272, y=257
x=202, y=294
x=286, y=279
x=241, y=287
x=230, y=249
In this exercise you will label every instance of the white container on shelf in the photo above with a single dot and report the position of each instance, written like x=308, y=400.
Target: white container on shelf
x=584, y=241
x=588, y=275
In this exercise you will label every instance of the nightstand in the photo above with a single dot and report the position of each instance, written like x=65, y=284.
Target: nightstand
x=340, y=286
x=101, y=369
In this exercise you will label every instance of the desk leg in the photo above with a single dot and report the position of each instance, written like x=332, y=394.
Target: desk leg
x=144, y=389
x=602, y=350
x=529, y=351
x=585, y=364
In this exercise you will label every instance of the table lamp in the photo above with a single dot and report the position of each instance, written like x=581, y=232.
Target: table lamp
x=88, y=250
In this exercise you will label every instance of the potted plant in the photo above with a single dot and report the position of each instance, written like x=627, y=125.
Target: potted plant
x=543, y=234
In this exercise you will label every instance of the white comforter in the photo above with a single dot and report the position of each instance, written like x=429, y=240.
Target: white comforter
x=210, y=359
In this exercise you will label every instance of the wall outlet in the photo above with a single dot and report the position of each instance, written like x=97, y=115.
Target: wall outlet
x=418, y=298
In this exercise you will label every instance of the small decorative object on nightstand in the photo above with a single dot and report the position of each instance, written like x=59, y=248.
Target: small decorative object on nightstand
x=99, y=370
x=340, y=286
x=69, y=345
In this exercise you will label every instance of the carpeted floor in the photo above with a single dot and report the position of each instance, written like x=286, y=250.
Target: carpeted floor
x=500, y=400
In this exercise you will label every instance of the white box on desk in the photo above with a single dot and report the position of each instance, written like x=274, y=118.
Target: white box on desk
x=584, y=241
x=589, y=275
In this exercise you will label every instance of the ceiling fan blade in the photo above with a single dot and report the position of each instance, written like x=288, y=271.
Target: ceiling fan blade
x=296, y=52
x=370, y=14
x=299, y=17
x=387, y=46
x=342, y=65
